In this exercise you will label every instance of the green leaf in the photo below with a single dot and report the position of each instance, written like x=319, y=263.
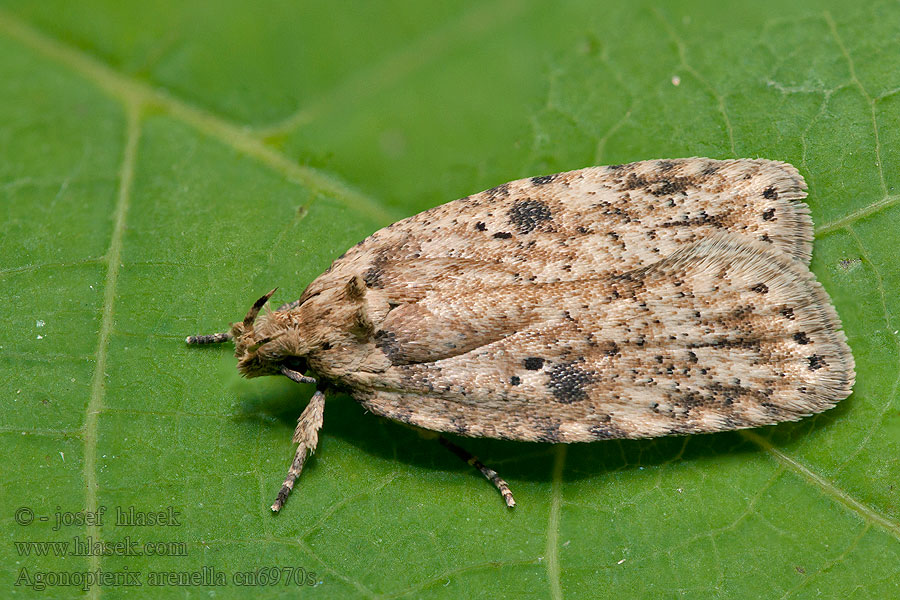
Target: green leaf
x=163, y=164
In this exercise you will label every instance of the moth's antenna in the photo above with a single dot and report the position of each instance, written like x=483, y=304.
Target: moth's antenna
x=213, y=338
x=254, y=310
x=218, y=338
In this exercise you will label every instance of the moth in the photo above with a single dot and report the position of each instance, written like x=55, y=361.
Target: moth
x=663, y=297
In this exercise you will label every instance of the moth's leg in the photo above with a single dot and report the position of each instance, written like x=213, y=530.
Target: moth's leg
x=307, y=436
x=491, y=475
x=213, y=338
x=289, y=305
x=296, y=376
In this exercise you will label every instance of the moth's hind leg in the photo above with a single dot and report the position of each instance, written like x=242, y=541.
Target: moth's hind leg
x=307, y=436
x=490, y=474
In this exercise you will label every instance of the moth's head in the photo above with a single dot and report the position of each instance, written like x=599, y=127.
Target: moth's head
x=264, y=345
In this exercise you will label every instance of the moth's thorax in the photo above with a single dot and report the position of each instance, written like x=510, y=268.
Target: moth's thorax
x=341, y=312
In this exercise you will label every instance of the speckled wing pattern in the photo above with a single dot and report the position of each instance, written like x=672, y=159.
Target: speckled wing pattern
x=654, y=298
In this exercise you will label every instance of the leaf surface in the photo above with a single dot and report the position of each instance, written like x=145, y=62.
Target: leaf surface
x=164, y=164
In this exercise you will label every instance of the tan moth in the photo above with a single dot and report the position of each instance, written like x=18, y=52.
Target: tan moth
x=630, y=301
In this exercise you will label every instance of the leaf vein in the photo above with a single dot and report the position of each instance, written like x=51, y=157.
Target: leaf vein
x=682, y=57
x=98, y=389
x=832, y=26
x=131, y=90
x=552, y=550
x=867, y=513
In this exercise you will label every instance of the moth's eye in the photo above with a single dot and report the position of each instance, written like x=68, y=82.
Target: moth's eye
x=295, y=363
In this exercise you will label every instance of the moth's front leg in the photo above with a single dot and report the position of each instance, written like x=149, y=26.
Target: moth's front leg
x=307, y=436
x=296, y=376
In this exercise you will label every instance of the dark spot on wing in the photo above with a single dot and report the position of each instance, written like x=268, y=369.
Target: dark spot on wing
x=543, y=179
x=702, y=218
x=671, y=186
x=801, y=338
x=533, y=363
x=606, y=430
x=514, y=380
x=711, y=169
x=770, y=193
x=568, y=381
x=500, y=190
x=548, y=430
x=633, y=182
x=503, y=235
x=816, y=362
x=690, y=400
x=665, y=165
x=726, y=394
x=528, y=214
x=386, y=341
x=760, y=288
x=372, y=277
x=480, y=226
x=659, y=186
x=769, y=215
